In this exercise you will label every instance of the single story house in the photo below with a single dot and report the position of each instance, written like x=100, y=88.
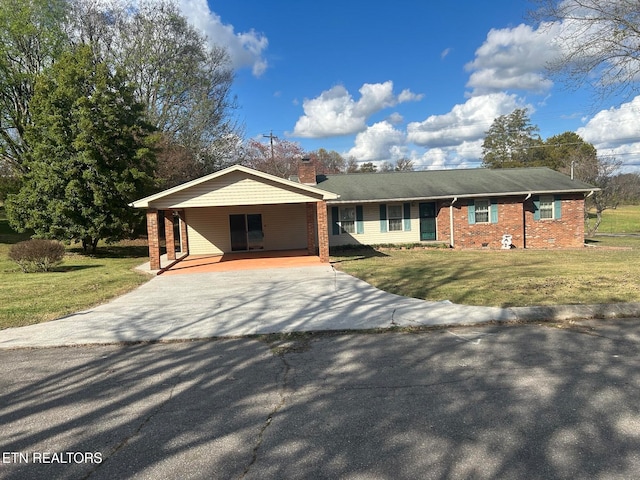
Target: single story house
x=241, y=209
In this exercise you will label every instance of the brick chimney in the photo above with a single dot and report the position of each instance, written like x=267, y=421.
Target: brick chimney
x=307, y=172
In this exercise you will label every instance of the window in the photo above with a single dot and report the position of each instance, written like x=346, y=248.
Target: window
x=394, y=213
x=395, y=217
x=348, y=220
x=546, y=207
x=482, y=211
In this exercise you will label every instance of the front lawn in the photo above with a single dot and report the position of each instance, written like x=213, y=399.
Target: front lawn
x=623, y=219
x=597, y=274
x=80, y=282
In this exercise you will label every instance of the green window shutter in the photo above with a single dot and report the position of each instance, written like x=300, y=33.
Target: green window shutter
x=557, y=208
x=471, y=211
x=494, y=211
x=407, y=217
x=334, y=221
x=536, y=208
x=359, y=219
x=383, y=218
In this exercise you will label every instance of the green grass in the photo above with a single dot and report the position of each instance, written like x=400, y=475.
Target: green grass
x=607, y=273
x=80, y=282
x=624, y=219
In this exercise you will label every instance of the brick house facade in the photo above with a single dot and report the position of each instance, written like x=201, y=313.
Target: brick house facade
x=534, y=208
x=240, y=209
x=516, y=217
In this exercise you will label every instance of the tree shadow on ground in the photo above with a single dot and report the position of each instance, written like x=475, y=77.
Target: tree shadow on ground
x=533, y=401
x=354, y=253
x=72, y=268
x=114, y=251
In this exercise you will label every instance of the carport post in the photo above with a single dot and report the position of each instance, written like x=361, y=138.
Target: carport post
x=323, y=231
x=184, y=240
x=153, y=239
x=169, y=238
x=311, y=228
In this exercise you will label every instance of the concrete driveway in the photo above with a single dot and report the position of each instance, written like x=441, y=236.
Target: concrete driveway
x=247, y=302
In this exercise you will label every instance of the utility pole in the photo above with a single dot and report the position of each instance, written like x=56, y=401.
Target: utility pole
x=271, y=137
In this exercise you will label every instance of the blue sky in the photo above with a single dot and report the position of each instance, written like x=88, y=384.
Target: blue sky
x=418, y=79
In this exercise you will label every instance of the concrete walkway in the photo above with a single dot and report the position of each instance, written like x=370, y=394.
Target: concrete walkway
x=236, y=303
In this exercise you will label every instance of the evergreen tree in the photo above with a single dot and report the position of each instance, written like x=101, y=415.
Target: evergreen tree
x=88, y=155
x=512, y=141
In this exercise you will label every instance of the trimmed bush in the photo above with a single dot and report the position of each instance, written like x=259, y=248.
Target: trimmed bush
x=37, y=255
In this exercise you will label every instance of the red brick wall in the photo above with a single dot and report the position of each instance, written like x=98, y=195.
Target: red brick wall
x=184, y=240
x=516, y=220
x=323, y=231
x=153, y=239
x=307, y=172
x=442, y=222
x=567, y=232
x=169, y=237
x=311, y=228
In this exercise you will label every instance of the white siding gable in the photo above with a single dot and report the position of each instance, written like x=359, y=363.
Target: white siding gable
x=235, y=188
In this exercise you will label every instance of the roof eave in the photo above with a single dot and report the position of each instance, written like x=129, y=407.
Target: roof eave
x=474, y=195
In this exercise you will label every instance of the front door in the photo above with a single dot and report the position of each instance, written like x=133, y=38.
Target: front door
x=246, y=232
x=428, y=221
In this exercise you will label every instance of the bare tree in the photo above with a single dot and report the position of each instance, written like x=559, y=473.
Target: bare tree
x=184, y=82
x=327, y=162
x=31, y=38
x=598, y=41
x=598, y=171
x=352, y=165
x=280, y=158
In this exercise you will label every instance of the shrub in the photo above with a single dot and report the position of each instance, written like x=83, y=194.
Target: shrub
x=37, y=255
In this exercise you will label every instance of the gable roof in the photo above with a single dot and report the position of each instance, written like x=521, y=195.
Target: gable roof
x=435, y=184
x=198, y=192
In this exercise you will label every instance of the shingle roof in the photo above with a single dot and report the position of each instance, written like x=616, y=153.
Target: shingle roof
x=433, y=184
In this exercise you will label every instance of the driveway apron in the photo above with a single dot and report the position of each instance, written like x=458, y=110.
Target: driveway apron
x=247, y=302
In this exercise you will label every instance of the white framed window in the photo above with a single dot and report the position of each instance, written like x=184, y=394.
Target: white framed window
x=546, y=207
x=482, y=211
x=348, y=219
x=394, y=216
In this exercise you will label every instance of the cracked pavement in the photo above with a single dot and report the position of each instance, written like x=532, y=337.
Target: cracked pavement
x=521, y=401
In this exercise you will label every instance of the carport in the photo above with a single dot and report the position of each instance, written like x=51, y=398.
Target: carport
x=238, y=210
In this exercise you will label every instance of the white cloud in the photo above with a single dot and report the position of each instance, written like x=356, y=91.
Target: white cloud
x=514, y=59
x=335, y=112
x=615, y=132
x=246, y=49
x=378, y=142
x=464, y=155
x=614, y=127
x=408, y=96
x=395, y=118
x=465, y=122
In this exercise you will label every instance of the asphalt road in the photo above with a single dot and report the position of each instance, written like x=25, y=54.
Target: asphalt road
x=523, y=401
